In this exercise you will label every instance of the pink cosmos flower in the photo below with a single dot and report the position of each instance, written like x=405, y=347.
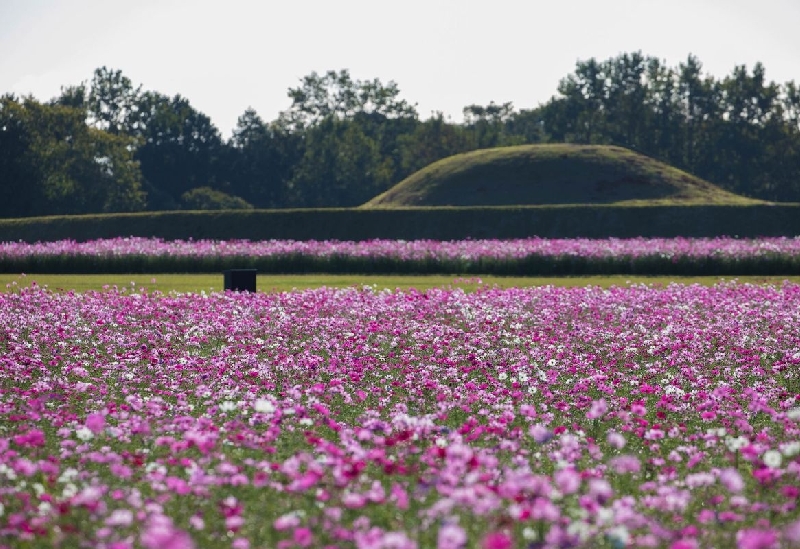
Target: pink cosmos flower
x=234, y=522
x=792, y=532
x=32, y=438
x=287, y=521
x=598, y=409
x=540, y=433
x=160, y=533
x=497, y=540
x=303, y=537
x=615, y=440
x=95, y=423
x=399, y=496
x=600, y=489
x=451, y=536
x=731, y=480
x=684, y=544
x=120, y=517
x=353, y=501
x=25, y=467
x=756, y=539
x=568, y=480
x=625, y=464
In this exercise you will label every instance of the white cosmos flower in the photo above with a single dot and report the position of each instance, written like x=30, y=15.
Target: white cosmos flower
x=69, y=490
x=794, y=413
x=619, y=536
x=227, y=406
x=263, y=406
x=772, y=459
x=736, y=443
x=84, y=433
x=7, y=472
x=68, y=475
x=790, y=449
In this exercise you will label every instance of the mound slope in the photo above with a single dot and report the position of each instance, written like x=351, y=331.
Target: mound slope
x=552, y=174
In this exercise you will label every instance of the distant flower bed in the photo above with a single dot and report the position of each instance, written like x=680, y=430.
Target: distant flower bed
x=530, y=256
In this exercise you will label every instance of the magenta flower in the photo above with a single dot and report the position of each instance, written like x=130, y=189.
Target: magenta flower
x=686, y=543
x=234, y=522
x=32, y=438
x=756, y=539
x=497, y=540
x=303, y=537
x=95, y=423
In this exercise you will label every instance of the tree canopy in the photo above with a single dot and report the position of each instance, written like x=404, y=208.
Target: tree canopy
x=109, y=145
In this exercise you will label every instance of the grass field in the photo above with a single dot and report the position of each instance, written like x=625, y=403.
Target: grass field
x=552, y=174
x=267, y=283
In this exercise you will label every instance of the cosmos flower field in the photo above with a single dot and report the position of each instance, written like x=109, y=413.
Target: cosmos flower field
x=636, y=416
x=530, y=256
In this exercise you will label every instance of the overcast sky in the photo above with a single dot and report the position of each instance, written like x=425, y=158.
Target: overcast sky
x=226, y=55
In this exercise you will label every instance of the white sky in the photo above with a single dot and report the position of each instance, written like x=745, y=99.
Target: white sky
x=226, y=55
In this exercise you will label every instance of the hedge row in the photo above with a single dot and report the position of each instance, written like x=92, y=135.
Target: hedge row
x=535, y=265
x=591, y=221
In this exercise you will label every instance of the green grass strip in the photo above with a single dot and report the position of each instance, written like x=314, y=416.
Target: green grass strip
x=195, y=283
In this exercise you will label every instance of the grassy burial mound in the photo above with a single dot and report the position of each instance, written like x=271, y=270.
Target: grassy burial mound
x=552, y=174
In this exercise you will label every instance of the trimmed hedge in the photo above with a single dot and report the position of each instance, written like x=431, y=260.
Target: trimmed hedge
x=533, y=265
x=590, y=221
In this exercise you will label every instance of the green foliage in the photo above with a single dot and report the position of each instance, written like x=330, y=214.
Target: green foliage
x=114, y=104
x=20, y=191
x=344, y=140
x=181, y=148
x=741, y=133
x=60, y=165
x=430, y=141
x=206, y=198
x=260, y=161
x=488, y=125
x=341, y=166
x=337, y=95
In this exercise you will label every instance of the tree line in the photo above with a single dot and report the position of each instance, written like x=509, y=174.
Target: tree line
x=110, y=146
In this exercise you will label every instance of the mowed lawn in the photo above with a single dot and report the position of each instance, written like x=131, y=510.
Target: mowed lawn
x=196, y=283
